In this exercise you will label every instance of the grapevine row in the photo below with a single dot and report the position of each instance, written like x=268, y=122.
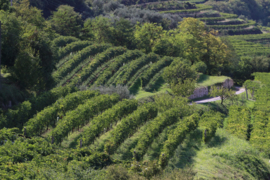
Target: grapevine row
x=155, y=127
x=116, y=64
x=48, y=116
x=260, y=134
x=82, y=114
x=131, y=68
x=154, y=69
x=98, y=61
x=92, y=78
x=62, y=41
x=75, y=46
x=200, y=7
x=77, y=59
x=64, y=60
x=129, y=125
x=137, y=76
x=177, y=136
x=153, y=81
x=75, y=71
x=238, y=121
x=209, y=122
x=104, y=120
x=250, y=23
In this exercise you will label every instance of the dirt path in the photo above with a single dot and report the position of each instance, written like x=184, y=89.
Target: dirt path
x=239, y=91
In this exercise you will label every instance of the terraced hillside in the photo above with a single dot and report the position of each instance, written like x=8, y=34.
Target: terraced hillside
x=225, y=23
x=84, y=63
x=95, y=129
x=102, y=129
x=252, y=45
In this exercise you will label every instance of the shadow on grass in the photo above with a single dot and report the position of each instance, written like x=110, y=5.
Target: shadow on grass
x=157, y=85
x=185, y=153
x=74, y=142
x=136, y=87
x=202, y=78
x=217, y=141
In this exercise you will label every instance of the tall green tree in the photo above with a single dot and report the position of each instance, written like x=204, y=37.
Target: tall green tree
x=123, y=34
x=27, y=69
x=221, y=91
x=66, y=21
x=11, y=37
x=100, y=28
x=181, y=77
x=184, y=89
x=147, y=36
x=29, y=14
x=179, y=71
x=4, y=5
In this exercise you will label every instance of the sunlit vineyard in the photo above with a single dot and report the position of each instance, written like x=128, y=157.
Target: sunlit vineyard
x=134, y=89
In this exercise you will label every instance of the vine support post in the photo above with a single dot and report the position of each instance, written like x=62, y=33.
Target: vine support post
x=52, y=139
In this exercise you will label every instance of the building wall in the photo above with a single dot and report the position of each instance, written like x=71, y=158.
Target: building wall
x=203, y=91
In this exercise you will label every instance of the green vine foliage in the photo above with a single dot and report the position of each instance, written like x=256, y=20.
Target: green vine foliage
x=129, y=125
x=48, y=116
x=106, y=119
x=82, y=115
x=177, y=136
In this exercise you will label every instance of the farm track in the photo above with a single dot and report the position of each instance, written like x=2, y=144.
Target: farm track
x=240, y=90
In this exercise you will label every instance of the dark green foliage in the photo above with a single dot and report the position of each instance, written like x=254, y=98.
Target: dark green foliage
x=26, y=110
x=11, y=31
x=200, y=67
x=4, y=5
x=36, y=158
x=62, y=41
x=178, y=71
x=66, y=21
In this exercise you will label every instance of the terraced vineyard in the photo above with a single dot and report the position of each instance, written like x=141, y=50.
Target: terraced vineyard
x=224, y=22
x=88, y=65
x=103, y=129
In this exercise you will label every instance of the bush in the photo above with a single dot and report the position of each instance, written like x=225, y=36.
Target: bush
x=199, y=67
x=119, y=89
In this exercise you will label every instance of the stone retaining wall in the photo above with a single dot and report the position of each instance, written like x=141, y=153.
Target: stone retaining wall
x=203, y=91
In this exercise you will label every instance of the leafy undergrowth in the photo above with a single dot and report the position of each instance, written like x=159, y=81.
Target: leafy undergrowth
x=224, y=157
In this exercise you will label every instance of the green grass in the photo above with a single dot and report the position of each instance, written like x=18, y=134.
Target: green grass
x=228, y=157
x=206, y=80
x=224, y=157
x=143, y=94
